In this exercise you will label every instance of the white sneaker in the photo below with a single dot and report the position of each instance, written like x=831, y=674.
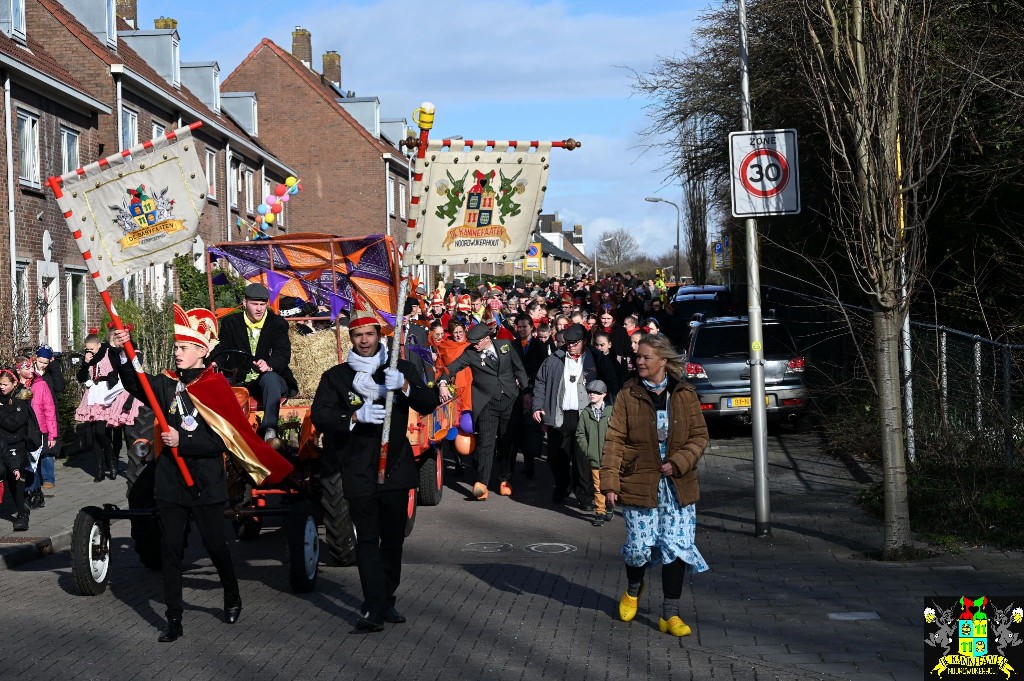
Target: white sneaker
x=269, y=434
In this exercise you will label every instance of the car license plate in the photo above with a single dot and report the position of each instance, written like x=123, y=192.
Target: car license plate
x=742, y=402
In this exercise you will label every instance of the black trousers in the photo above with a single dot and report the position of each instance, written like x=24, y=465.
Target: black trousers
x=102, y=447
x=569, y=464
x=17, y=487
x=271, y=388
x=210, y=521
x=380, y=533
x=492, y=436
x=672, y=576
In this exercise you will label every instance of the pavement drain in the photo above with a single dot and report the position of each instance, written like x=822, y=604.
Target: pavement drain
x=551, y=548
x=853, y=616
x=488, y=547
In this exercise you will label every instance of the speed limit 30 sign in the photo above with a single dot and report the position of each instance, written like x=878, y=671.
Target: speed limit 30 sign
x=765, y=173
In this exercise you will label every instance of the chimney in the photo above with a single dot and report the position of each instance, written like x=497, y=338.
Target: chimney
x=129, y=11
x=332, y=67
x=165, y=23
x=302, y=46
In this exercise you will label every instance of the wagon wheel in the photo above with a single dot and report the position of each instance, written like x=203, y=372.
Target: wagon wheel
x=431, y=484
x=90, y=551
x=410, y=512
x=303, y=547
x=340, y=532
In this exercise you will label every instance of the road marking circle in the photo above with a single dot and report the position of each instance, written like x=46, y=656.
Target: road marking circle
x=488, y=547
x=551, y=548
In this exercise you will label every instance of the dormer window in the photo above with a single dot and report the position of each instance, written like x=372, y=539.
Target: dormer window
x=175, y=62
x=216, y=90
x=255, y=119
x=12, y=18
x=112, y=23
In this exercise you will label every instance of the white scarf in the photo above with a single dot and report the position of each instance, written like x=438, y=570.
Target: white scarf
x=365, y=368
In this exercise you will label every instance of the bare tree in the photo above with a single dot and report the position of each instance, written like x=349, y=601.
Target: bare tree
x=617, y=249
x=888, y=130
x=696, y=198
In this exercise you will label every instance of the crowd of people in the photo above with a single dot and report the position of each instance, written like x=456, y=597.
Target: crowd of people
x=582, y=373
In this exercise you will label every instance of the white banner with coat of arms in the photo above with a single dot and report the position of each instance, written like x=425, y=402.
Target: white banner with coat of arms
x=477, y=205
x=136, y=208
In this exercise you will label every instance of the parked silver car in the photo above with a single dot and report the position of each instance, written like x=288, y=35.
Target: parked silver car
x=717, y=367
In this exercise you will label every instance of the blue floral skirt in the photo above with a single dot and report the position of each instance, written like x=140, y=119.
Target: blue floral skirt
x=665, y=533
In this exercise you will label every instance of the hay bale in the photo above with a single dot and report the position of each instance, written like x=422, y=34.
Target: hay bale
x=312, y=355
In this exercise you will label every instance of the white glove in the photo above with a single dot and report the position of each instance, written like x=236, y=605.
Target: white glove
x=393, y=379
x=370, y=413
x=369, y=389
x=89, y=383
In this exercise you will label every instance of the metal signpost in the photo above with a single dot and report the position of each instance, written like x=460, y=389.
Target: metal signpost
x=763, y=179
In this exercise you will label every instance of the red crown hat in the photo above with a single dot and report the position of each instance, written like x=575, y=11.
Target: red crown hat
x=496, y=290
x=436, y=299
x=465, y=303
x=197, y=326
x=451, y=299
x=566, y=298
x=362, y=316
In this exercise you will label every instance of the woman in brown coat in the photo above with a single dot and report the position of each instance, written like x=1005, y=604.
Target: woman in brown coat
x=655, y=438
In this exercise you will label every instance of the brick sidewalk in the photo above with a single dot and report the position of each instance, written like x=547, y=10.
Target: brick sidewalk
x=514, y=588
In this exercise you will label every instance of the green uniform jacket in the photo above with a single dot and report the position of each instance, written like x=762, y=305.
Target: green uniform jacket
x=591, y=433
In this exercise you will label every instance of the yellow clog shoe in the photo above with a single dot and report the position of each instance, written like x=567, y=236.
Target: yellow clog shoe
x=675, y=626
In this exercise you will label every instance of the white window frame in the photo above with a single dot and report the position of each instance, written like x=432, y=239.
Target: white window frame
x=28, y=149
x=129, y=128
x=22, y=311
x=159, y=130
x=391, y=196
x=70, y=157
x=71, y=274
x=250, y=198
x=111, y=8
x=18, y=20
x=211, y=174
x=403, y=209
x=233, y=184
x=175, y=63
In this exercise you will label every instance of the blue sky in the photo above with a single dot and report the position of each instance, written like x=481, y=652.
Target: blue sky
x=534, y=69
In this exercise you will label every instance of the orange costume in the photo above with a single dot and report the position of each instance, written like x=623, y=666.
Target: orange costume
x=447, y=352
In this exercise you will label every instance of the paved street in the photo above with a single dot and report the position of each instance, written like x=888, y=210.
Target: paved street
x=515, y=589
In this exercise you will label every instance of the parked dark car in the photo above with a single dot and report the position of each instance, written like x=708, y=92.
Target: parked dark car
x=717, y=367
x=691, y=302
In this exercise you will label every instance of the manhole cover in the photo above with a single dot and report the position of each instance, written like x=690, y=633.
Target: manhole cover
x=551, y=548
x=487, y=547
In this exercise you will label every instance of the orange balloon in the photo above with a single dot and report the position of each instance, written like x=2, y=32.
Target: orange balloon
x=465, y=444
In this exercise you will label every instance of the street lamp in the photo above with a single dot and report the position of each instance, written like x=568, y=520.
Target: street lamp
x=679, y=218
x=596, y=251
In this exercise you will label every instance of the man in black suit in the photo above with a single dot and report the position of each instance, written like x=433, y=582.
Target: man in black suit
x=496, y=371
x=263, y=334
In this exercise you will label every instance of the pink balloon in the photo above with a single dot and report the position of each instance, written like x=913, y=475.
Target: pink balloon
x=270, y=200
x=285, y=198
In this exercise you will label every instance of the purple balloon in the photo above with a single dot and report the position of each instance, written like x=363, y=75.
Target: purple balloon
x=466, y=422
x=453, y=433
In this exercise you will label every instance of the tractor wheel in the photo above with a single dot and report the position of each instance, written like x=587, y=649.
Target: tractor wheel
x=247, y=528
x=341, y=534
x=410, y=513
x=90, y=551
x=431, y=485
x=303, y=547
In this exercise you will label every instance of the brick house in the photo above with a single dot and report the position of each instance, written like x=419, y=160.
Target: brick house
x=139, y=89
x=350, y=164
x=50, y=126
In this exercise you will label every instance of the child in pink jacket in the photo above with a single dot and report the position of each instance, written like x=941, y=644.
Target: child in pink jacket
x=45, y=410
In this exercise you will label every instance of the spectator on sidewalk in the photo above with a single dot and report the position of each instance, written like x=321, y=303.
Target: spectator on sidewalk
x=14, y=438
x=590, y=435
x=649, y=468
x=46, y=418
x=53, y=375
x=102, y=404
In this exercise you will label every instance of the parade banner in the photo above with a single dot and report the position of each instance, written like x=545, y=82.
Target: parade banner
x=478, y=201
x=135, y=208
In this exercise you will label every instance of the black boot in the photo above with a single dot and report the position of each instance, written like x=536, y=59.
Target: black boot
x=232, y=606
x=172, y=632
x=21, y=522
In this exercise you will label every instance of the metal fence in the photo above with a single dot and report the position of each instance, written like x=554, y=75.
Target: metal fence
x=964, y=386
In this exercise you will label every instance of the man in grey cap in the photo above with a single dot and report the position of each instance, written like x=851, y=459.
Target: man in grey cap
x=559, y=394
x=258, y=331
x=496, y=370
